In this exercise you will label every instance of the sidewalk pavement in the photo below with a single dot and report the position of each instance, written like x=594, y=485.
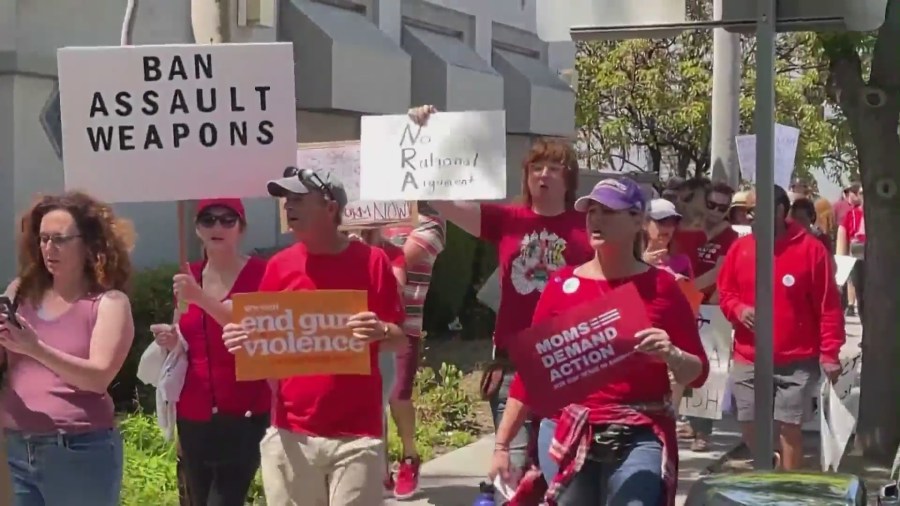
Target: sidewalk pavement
x=452, y=479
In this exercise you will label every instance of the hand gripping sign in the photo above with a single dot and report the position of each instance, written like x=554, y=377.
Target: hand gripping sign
x=300, y=333
x=564, y=359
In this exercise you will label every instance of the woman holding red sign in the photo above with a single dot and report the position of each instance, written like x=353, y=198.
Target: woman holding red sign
x=618, y=444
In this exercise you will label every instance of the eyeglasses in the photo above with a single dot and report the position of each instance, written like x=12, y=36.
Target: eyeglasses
x=209, y=220
x=311, y=180
x=56, y=239
x=714, y=206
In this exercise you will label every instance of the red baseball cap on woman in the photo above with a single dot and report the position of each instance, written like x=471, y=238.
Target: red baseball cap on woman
x=234, y=205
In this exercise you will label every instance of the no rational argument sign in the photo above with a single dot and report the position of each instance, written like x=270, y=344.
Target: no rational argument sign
x=176, y=122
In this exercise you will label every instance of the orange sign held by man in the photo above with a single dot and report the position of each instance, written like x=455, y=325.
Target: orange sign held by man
x=300, y=333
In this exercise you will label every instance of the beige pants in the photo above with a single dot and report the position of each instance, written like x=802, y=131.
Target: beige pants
x=302, y=470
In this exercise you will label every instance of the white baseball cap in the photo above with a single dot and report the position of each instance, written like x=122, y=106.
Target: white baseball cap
x=661, y=209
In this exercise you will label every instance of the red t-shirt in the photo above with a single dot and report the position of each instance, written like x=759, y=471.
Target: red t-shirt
x=335, y=405
x=688, y=242
x=530, y=248
x=645, y=379
x=708, y=256
x=394, y=254
x=855, y=225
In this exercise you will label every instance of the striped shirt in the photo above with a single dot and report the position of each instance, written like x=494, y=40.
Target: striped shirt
x=431, y=236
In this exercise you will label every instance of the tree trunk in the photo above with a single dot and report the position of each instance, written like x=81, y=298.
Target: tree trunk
x=873, y=116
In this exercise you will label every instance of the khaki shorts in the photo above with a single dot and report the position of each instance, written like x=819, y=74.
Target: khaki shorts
x=303, y=470
x=795, y=385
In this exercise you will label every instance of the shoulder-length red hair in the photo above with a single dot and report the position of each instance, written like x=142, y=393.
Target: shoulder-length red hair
x=547, y=149
x=107, y=240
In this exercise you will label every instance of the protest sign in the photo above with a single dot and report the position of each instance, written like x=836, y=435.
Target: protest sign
x=742, y=230
x=565, y=358
x=456, y=156
x=489, y=294
x=708, y=401
x=844, y=389
x=844, y=268
x=786, y=140
x=341, y=159
x=300, y=333
x=176, y=122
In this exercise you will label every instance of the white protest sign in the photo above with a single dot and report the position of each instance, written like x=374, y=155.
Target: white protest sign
x=786, y=140
x=715, y=333
x=844, y=388
x=838, y=423
x=176, y=122
x=341, y=160
x=844, y=268
x=742, y=230
x=456, y=156
x=489, y=295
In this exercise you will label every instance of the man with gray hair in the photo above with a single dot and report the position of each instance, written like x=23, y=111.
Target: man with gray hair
x=325, y=445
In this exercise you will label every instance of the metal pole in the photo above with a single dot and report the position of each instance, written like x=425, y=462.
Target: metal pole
x=726, y=90
x=764, y=230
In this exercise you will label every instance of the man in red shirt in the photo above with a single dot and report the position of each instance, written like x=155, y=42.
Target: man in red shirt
x=848, y=201
x=325, y=445
x=706, y=263
x=808, y=326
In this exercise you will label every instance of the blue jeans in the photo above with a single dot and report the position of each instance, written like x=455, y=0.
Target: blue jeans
x=636, y=481
x=518, y=447
x=65, y=469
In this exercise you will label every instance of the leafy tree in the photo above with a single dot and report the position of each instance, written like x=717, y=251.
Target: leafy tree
x=864, y=81
x=655, y=95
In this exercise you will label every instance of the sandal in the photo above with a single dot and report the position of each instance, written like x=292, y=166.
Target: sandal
x=700, y=443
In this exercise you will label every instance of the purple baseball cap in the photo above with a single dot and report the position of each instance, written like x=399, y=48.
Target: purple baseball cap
x=619, y=194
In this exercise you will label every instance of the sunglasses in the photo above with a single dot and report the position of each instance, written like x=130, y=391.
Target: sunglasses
x=311, y=180
x=209, y=220
x=720, y=207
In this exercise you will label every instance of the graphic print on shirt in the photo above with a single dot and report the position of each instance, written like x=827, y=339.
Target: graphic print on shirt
x=540, y=254
x=709, y=252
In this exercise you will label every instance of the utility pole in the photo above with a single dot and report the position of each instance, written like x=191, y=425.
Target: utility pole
x=726, y=93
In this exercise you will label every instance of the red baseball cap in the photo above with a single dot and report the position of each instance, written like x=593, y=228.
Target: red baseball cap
x=232, y=204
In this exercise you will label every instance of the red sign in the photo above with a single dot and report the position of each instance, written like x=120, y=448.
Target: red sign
x=563, y=359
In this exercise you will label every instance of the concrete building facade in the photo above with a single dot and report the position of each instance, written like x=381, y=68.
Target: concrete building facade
x=352, y=57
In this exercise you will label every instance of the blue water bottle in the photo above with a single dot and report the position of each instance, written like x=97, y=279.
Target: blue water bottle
x=485, y=495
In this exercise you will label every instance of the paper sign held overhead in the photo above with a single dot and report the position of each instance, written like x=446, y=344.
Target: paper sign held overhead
x=176, y=122
x=457, y=156
x=786, y=141
x=341, y=160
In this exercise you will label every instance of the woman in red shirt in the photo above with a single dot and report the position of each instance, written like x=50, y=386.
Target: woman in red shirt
x=220, y=420
x=627, y=426
x=534, y=238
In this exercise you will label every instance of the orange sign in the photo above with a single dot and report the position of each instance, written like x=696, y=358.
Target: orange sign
x=300, y=333
x=694, y=296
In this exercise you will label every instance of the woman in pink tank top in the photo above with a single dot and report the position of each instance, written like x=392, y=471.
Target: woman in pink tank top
x=62, y=345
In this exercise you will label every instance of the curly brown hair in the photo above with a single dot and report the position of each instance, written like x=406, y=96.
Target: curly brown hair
x=106, y=238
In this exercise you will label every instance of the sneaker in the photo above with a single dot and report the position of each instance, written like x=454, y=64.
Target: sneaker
x=851, y=311
x=407, y=478
x=389, y=484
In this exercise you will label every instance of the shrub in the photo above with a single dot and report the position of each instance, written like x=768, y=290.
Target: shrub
x=445, y=413
x=151, y=302
x=444, y=410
